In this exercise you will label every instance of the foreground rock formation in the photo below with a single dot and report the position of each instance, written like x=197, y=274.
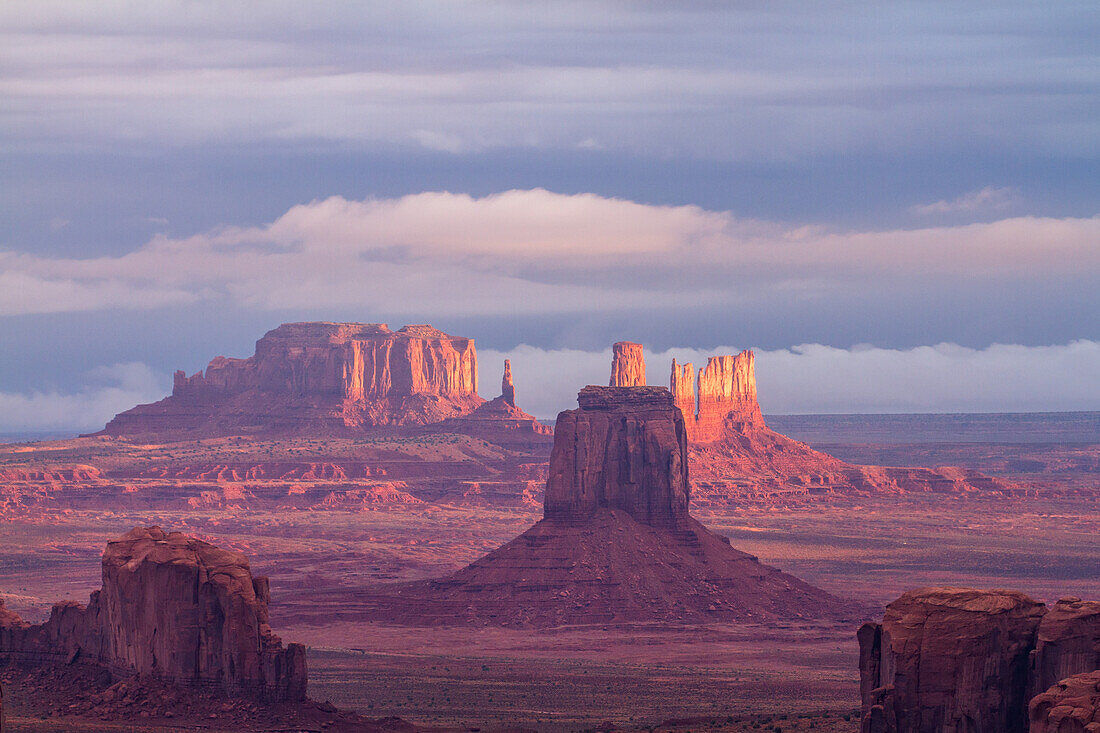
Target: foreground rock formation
x=1069, y=706
x=172, y=608
x=616, y=543
x=958, y=659
x=1068, y=642
x=322, y=378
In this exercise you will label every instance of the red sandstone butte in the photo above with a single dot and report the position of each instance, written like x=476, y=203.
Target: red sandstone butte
x=948, y=659
x=1071, y=705
x=616, y=543
x=320, y=377
x=627, y=365
x=174, y=608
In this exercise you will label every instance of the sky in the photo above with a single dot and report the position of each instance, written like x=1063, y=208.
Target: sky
x=894, y=203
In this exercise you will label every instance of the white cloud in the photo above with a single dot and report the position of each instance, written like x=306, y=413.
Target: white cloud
x=106, y=392
x=812, y=378
x=982, y=200
x=534, y=251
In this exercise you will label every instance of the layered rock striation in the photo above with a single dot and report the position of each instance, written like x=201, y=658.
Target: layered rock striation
x=320, y=377
x=174, y=608
x=959, y=659
x=616, y=543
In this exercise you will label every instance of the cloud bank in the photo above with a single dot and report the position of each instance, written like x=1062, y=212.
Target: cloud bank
x=534, y=251
x=816, y=379
x=106, y=392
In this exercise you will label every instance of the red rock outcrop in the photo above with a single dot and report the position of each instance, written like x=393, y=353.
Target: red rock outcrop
x=627, y=365
x=616, y=543
x=1068, y=643
x=174, y=608
x=1071, y=705
x=320, y=377
x=949, y=659
x=735, y=456
x=624, y=449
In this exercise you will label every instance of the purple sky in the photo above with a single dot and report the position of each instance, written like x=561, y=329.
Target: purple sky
x=867, y=177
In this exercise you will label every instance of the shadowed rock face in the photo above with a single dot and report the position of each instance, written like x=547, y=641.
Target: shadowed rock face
x=626, y=449
x=1068, y=642
x=627, y=365
x=616, y=543
x=1071, y=705
x=320, y=376
x=174, y=608
x=949, y=659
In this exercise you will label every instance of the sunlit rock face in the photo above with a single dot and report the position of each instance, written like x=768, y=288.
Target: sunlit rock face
x=727, y=402
x=317, y=377
x=627, y=365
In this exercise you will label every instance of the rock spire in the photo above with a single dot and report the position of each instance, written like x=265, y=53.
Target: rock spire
x=627, y=365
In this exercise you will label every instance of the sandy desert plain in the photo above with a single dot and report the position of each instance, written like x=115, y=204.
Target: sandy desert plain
x=330, y=519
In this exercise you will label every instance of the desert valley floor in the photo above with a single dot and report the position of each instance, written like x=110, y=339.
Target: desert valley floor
x=329, y=520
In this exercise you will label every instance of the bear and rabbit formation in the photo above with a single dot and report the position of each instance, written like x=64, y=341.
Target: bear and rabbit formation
x=173, y=608
x=616, y=542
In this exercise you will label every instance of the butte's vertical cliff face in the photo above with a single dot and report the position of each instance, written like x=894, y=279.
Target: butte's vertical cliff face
x=949, y=659
x=727, y=402
x=625, y=448
x=1068, y=642
x=627, y=365
x=174, y=608
x=321, y=376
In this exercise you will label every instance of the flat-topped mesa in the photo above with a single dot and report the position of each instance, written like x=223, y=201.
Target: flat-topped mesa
x=321, y=375
x=507, y=388
x=627, y=365
x=625, y=448
x=175, y=608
